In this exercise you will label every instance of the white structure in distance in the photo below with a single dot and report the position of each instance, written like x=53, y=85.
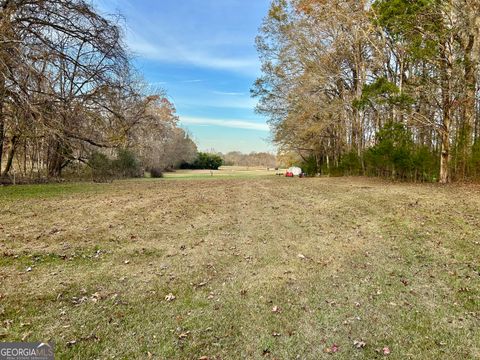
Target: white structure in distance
x=296, y=171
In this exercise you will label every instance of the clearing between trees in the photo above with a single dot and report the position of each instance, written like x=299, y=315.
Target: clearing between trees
x=242, y=267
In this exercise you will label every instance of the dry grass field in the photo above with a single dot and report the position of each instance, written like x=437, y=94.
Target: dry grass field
x=242, y=267
x=224, y=172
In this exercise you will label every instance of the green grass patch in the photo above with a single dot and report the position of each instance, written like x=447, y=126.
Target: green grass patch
x=44, y=191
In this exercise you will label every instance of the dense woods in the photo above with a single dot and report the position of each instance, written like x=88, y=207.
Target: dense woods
x=386, y=88
x=68, y=90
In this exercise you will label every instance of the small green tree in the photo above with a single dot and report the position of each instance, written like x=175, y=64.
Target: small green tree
x=474, y=162
x=426, y=164
x=392, y=156
x=126, y=164
x=310, y=166
x=350, y=164
x=204, y=161
x=101, y=167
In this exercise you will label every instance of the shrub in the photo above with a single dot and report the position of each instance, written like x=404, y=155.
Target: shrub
x=102, y=167
x=392, y=156
x=474, y=161
x=309, y=166
x=126, y=164
x=204, y=161
x=426, y=164
x=350, y=164
x=156, y=173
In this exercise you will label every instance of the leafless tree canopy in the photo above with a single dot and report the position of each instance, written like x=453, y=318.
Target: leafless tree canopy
x=336, y=73
x=67, y=88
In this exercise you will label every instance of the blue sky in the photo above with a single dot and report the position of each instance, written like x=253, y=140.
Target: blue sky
x=202, y=53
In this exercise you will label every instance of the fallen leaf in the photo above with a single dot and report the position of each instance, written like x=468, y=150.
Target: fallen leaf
x=183, y=335
x=359, y=344
x=92, y=336
x=333, y=349
x=170, y=297
x=8, y=323
x=95, y=297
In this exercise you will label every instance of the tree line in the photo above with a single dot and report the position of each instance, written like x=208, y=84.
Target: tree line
x=237, y=158
x=68, y=90
x=386, y=87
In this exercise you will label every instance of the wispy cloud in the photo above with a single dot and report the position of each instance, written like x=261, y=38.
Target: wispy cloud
x=216, y=101
x=180, y=54
x=230, y=123
x=190, y=42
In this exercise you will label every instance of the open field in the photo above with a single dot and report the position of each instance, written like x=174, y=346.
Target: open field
x=224, y=171
x=261, y=267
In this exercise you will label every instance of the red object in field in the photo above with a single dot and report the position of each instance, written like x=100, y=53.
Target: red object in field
x=289, y=174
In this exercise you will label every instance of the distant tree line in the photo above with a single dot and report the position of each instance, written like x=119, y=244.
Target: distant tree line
x=387, y=87
x=263, y=159
x=68, y=92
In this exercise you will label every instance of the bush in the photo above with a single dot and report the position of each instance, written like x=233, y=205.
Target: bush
x=392, y=156
x=474, y=161
x=426, y=164
x=104, y=169
x=126, y=165
x=309, y=166
x=350, y=164
x=396, y=155
x=204, y=161
x=156, y=173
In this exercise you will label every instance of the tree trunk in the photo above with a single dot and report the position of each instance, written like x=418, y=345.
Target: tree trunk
x=56, y=160
x=445, y=153
x=446, y=72
x=469, y=108
x=2, y=118
x=11, y=154
x=2, y=133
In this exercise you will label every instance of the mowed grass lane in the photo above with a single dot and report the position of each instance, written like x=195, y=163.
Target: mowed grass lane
x=260, y=267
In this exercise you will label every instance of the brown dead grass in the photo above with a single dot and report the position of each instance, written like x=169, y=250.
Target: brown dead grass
x=395, y=265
